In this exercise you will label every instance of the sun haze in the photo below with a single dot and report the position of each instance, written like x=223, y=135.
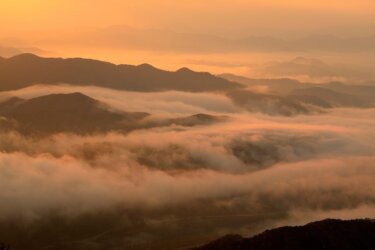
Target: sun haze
x=170, y=124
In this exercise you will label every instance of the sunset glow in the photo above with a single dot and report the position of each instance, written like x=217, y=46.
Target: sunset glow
x=187, y=124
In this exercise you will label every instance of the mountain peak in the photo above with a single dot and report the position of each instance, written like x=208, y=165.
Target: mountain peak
x=72, y=112
x=184, y=70
x=66, y=98
x=146, y=66
x=27, y=69
x=24, y=56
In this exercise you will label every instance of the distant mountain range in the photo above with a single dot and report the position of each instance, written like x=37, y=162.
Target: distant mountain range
x=325, y=95
x=6, y=51
x=27, y=69
x=328, y=235
x=286, y=97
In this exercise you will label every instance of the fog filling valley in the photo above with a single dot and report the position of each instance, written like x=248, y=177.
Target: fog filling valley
x=171, y=186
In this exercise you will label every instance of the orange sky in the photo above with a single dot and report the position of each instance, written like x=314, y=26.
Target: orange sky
x=64, y=27
x=214, y=16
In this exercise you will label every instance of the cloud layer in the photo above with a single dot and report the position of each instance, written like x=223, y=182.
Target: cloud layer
x=157, y=185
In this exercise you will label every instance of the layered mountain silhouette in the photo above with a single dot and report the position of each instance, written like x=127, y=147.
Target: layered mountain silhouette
x=325, y=95
x=276, y=86
x=281, y=96
x=27, y=69
x=331, y=98
x=78, y=113
x=328, y=235
x=269, y=104
x=315, y=68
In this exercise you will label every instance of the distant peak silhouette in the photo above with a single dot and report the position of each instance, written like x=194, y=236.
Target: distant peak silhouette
x=27, y=69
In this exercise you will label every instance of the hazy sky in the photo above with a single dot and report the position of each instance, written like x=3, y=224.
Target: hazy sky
x=172, y=34
x=221, y=17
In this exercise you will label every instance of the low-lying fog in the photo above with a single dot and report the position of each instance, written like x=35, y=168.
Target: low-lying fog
x=177, y=186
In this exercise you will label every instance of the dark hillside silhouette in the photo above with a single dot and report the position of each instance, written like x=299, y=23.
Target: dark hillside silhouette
x=65, y=113
x=328, y=235
x=81, y=114
x=27, y=69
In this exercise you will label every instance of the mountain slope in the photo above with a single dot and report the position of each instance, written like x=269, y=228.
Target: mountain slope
x=324, y=95
x=269, y=104
x=277, y=85
x=333, y=98
x=78, y=113
x=64, y=113
x=197, y=119
x=328, y=234
x=27, y=69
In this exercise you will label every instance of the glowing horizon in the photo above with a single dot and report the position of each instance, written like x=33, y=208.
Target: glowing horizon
x=174, y=34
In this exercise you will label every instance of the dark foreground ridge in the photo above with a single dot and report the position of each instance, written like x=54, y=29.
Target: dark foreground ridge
x=327, y=234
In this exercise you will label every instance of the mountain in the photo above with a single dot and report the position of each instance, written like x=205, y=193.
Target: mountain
x=324, y=95
x=269, y=104
x=6, y=51
x=332, y=98
x=366, y=91
x=9, y=51
x=286, y=85
x=328, y=235
x=78, y=113
x=7, y=105
x=27, y=69
x=277, y=85
x=197, y=119
x=316, y=69
x=74, y=112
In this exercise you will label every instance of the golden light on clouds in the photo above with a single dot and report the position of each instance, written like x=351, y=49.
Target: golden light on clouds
x=119, y=118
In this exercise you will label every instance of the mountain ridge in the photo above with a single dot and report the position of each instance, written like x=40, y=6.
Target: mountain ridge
x=81, y=114
x=329, y=234
x=27, y=69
